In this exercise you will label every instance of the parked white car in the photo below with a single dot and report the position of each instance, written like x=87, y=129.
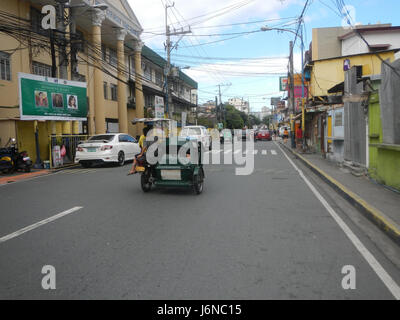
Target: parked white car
x=198, y=133
x=105, y=148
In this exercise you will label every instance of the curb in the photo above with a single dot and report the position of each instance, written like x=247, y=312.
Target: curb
x=24, y=176
x=386, y=224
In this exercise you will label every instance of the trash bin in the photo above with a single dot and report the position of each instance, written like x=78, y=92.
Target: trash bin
x=46, y=164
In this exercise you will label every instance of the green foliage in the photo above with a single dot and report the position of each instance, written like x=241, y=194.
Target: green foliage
x=234, y=120
x=254, y=121
x=267, y=120
x=207, y=122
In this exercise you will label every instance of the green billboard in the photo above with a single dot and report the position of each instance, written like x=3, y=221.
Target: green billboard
x=43, y=98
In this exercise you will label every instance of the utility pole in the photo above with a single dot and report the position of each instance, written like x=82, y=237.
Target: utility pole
x=53, y=55
x=169, y=46
x=220, y=104
x=292, y=101
x=216, y=110
x=61, y=27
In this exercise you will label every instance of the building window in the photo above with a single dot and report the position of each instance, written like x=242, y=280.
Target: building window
x=105, y=89
x=146, y=72
x=149, y=101
x=41, y=69
x=104, y=52
x=132, y=64
x=5, y=66
x=338, y=119
x=80, y=41
x=113, y=60
x=159, y=81
x=113, y=92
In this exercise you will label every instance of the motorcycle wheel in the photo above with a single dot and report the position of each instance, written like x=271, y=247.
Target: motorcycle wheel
x=198, y=182
x=144, y=181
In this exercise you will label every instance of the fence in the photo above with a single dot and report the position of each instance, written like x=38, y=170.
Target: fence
x=69, y=142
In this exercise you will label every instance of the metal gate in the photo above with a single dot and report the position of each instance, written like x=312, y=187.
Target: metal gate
x=67, y=142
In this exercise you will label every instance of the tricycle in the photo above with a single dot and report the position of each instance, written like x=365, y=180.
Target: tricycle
x=177, y=162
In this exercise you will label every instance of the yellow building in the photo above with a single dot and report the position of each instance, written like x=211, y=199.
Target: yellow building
x=107, y=42
x=332, y=48
x=332, y=52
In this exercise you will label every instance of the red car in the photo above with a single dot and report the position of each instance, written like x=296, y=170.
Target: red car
x=264, y=135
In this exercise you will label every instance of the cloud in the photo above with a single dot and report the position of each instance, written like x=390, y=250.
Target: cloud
x=200, y=14
x=248, y=76
x=245, y=68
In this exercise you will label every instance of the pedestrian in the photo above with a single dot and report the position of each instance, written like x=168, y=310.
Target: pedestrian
x=285, y=135
x=274, y=134
x=299, y=137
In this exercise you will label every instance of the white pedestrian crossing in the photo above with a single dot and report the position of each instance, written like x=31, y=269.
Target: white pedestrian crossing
x=243, y=152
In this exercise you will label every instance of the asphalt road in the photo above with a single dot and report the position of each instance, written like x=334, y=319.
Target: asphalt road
x=263, y=236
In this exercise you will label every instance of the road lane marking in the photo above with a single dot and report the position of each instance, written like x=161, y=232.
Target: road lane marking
x=38, y=224
x=264, y=152
x=274, y=152
x=390, y=284
x=228, y=151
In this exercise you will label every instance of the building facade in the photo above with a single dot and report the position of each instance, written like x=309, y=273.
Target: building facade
x=336, y=67
x=103, y=49
x=240, y=104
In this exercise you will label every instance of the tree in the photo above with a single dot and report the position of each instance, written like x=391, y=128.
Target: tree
x=245, y=118
x=254, y=121
x=207, y=122
x=267, y=120
x=233, y=118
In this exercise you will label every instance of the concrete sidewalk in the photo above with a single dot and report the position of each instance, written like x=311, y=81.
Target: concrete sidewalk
x=379, y=204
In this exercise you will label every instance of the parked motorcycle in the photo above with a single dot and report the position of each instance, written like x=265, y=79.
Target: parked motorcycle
x=12, y=160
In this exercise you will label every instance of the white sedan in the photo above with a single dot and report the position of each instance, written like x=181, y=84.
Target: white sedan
x=198, y=133
x=117, y=147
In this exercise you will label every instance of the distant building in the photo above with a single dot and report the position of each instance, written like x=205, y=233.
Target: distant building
x=240, y=104
x=207, y=108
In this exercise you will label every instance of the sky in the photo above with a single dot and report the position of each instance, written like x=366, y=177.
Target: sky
x=226, y=46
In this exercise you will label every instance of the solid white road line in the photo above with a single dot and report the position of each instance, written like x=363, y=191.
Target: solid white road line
x=264, y=152
x=38, y=224
x=374, y=264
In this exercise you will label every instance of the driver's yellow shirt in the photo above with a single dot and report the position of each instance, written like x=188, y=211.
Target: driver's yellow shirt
x=141, y=141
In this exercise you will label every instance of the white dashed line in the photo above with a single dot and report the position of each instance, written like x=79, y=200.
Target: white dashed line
x=38, y=224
